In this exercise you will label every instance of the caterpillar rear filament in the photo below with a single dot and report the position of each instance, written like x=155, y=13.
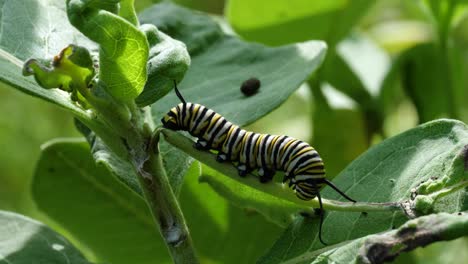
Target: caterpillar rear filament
x=301, y=163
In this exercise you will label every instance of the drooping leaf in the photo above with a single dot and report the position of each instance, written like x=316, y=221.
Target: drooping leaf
x=94, y=207
x=279, y=22
x=357, y=68
x=220, y=63
x=127, y=11
x=386, y=172
x=168, y=61
x=24, y=240
x=425, y=76
x=123, y=49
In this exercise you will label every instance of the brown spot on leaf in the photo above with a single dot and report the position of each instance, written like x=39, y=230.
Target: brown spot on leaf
x=405, y=240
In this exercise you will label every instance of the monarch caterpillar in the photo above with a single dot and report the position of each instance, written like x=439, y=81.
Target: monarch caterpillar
x=303, y=167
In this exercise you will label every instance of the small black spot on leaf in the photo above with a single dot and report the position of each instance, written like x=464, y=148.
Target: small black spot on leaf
x=250, y=86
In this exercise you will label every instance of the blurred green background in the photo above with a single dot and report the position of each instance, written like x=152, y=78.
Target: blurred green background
x=391, y=27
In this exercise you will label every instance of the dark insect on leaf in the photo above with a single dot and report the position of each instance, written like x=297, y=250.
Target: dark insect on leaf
x=250, y=87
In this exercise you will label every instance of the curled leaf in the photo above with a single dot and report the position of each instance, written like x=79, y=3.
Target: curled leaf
x=71, y=69
x=168, y=62
x=123, y=49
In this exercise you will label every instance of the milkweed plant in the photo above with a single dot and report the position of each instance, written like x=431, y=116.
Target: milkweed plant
x=132, y=191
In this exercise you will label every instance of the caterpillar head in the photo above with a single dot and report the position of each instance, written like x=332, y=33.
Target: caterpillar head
x=304, y=188
x=170, y=120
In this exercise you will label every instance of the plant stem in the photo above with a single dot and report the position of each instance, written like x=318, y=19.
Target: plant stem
x=165, y=209
x=158, y=193
x=142, y=150
x=185, y=144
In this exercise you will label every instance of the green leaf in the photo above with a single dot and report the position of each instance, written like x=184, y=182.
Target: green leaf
x=123, y=220
x=168, y=61
x=127, y=11
x=122, y=169
x=386, y=172
x=386, y=246
x=99, y=211
x=276, y=210
x=442, y=252
x=175, y=162
x=123, y=49
x=444, y=13
x=37, y=29
x=357, y=68
x=426, y=74
x=220, y=63
x=223, y=233
x=351, y=143
x=24, y=240
x=280, y=22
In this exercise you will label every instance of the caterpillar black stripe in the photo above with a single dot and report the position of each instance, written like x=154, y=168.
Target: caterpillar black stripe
x=301, y=163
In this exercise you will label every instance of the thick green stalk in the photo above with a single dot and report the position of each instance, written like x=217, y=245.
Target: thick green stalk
x=135, y=138
x=158, y=193
x=165, y=209
x=185, y=144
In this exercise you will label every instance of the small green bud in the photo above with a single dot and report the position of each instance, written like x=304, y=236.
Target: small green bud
x=424, y=204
